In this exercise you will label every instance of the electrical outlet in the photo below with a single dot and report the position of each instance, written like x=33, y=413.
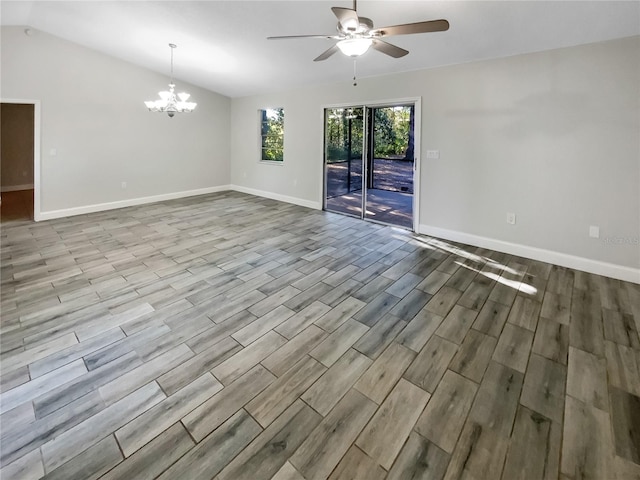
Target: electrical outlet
x=295, y=182
x=511, y=218
x=435, y=154
x=594, y=231
x=123, y=185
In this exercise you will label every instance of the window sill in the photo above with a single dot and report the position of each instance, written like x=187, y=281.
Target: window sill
x=270, y=162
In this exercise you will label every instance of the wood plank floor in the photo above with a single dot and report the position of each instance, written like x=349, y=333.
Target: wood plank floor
x=232, y=337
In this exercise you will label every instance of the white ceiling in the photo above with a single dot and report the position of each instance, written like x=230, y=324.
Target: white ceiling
x=222, y=45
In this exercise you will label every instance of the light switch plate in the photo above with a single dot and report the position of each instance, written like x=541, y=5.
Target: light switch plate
x=435, y=154
x=594, y=231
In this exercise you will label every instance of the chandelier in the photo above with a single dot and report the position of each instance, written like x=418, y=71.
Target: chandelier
x=169, y=102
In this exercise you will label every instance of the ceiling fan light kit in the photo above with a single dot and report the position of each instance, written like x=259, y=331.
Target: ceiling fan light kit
x=169, y=103
x=356, y=34
x=354, y=47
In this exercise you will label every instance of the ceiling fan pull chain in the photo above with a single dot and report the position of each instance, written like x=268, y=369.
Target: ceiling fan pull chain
x=355, y=83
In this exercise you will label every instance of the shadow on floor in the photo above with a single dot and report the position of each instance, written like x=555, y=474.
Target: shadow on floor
x=395, y=208
x=391, y=199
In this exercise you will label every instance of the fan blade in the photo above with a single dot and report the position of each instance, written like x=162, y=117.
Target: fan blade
x=387, y=48
x=409, y=28
x=326, y=54
x=348, y=18
x=284, y=37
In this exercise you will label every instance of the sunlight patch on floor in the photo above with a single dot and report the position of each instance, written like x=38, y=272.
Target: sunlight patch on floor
x=515, y=284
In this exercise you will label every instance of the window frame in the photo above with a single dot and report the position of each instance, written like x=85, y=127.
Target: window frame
x=262, y=136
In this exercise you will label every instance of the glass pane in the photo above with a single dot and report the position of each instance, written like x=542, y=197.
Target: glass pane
x=273, y=154
x=272, y=134
x=273, y=141
x=390, y=178
x=344, y=138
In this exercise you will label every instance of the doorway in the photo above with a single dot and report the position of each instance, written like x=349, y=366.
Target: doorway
x=18, y=154
x=370, y=162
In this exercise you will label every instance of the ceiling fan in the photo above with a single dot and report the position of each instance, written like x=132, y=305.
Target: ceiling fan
x=356, y=34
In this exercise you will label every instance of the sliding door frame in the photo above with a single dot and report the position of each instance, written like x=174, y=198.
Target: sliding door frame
x=417, y=134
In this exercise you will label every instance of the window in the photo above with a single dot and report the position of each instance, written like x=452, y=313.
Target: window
x=272, y=134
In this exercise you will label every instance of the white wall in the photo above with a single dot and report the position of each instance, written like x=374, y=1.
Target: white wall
x=94, y=116
x=552, y=136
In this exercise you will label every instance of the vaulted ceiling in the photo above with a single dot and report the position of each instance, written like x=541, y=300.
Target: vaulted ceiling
x=222, y=45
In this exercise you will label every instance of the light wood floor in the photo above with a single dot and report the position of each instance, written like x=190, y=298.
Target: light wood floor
x=233, y=337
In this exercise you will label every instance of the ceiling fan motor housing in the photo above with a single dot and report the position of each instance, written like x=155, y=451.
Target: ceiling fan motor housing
x=364, y=26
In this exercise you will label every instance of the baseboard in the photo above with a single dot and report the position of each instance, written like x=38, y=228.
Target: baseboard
x=277, y=196
x=597, y=267
x=16, y=188
x=612, y=270
x=100, y=207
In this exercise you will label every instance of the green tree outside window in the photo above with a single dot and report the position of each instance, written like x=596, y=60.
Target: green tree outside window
x=272, y=134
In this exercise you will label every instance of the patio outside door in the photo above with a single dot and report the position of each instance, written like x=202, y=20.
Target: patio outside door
x=369, y=162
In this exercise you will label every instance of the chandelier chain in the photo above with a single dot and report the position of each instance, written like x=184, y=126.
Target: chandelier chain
x=172, y=47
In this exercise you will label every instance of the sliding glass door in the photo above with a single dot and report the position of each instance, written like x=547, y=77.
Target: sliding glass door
x=344, y=146
x=369, y=162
